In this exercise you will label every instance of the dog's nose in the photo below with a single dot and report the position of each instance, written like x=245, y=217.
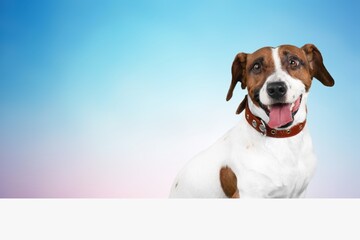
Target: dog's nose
x=276, y=90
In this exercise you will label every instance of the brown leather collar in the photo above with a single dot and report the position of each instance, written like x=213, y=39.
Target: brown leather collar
x=260, y=126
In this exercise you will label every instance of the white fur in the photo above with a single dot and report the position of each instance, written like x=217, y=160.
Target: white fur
x=264, y=166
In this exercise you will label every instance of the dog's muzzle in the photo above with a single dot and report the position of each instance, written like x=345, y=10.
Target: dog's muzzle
x=280, y=111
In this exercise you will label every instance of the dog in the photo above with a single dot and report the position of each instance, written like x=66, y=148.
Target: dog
x=269, y=153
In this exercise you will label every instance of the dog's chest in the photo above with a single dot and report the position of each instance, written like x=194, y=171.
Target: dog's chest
x=269, y=167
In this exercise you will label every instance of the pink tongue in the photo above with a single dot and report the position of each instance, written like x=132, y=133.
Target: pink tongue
x=280, y=115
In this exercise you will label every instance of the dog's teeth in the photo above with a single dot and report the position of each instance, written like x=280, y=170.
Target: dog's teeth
x=292, y=106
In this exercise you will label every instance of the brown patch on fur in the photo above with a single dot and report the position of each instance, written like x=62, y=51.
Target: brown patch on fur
x=286, y=52
x=256, y=81
x=242, y=72
x=228, y=182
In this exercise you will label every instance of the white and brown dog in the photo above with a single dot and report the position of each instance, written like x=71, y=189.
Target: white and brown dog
x=269, y=153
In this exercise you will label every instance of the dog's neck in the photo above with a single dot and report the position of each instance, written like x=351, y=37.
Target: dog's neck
x=258, y=119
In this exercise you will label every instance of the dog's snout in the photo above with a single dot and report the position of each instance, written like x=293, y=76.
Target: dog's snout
x=276, y=90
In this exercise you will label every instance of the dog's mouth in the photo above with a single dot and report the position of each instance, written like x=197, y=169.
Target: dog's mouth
x=281, y=115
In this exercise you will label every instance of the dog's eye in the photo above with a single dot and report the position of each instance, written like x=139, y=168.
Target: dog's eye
x=294, y=63
x=256, y=68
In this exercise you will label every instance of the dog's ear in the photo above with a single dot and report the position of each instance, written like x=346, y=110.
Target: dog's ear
x=317, y=68
x=238, y=73
x=242, y=105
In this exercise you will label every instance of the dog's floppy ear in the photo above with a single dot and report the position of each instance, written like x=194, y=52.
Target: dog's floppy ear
x=317, y=68
x=238, y=73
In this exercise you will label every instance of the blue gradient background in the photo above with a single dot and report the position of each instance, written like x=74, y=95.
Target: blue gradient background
x=112, y=98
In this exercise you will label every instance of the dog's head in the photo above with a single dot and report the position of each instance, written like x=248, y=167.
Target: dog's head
x=278, y=81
